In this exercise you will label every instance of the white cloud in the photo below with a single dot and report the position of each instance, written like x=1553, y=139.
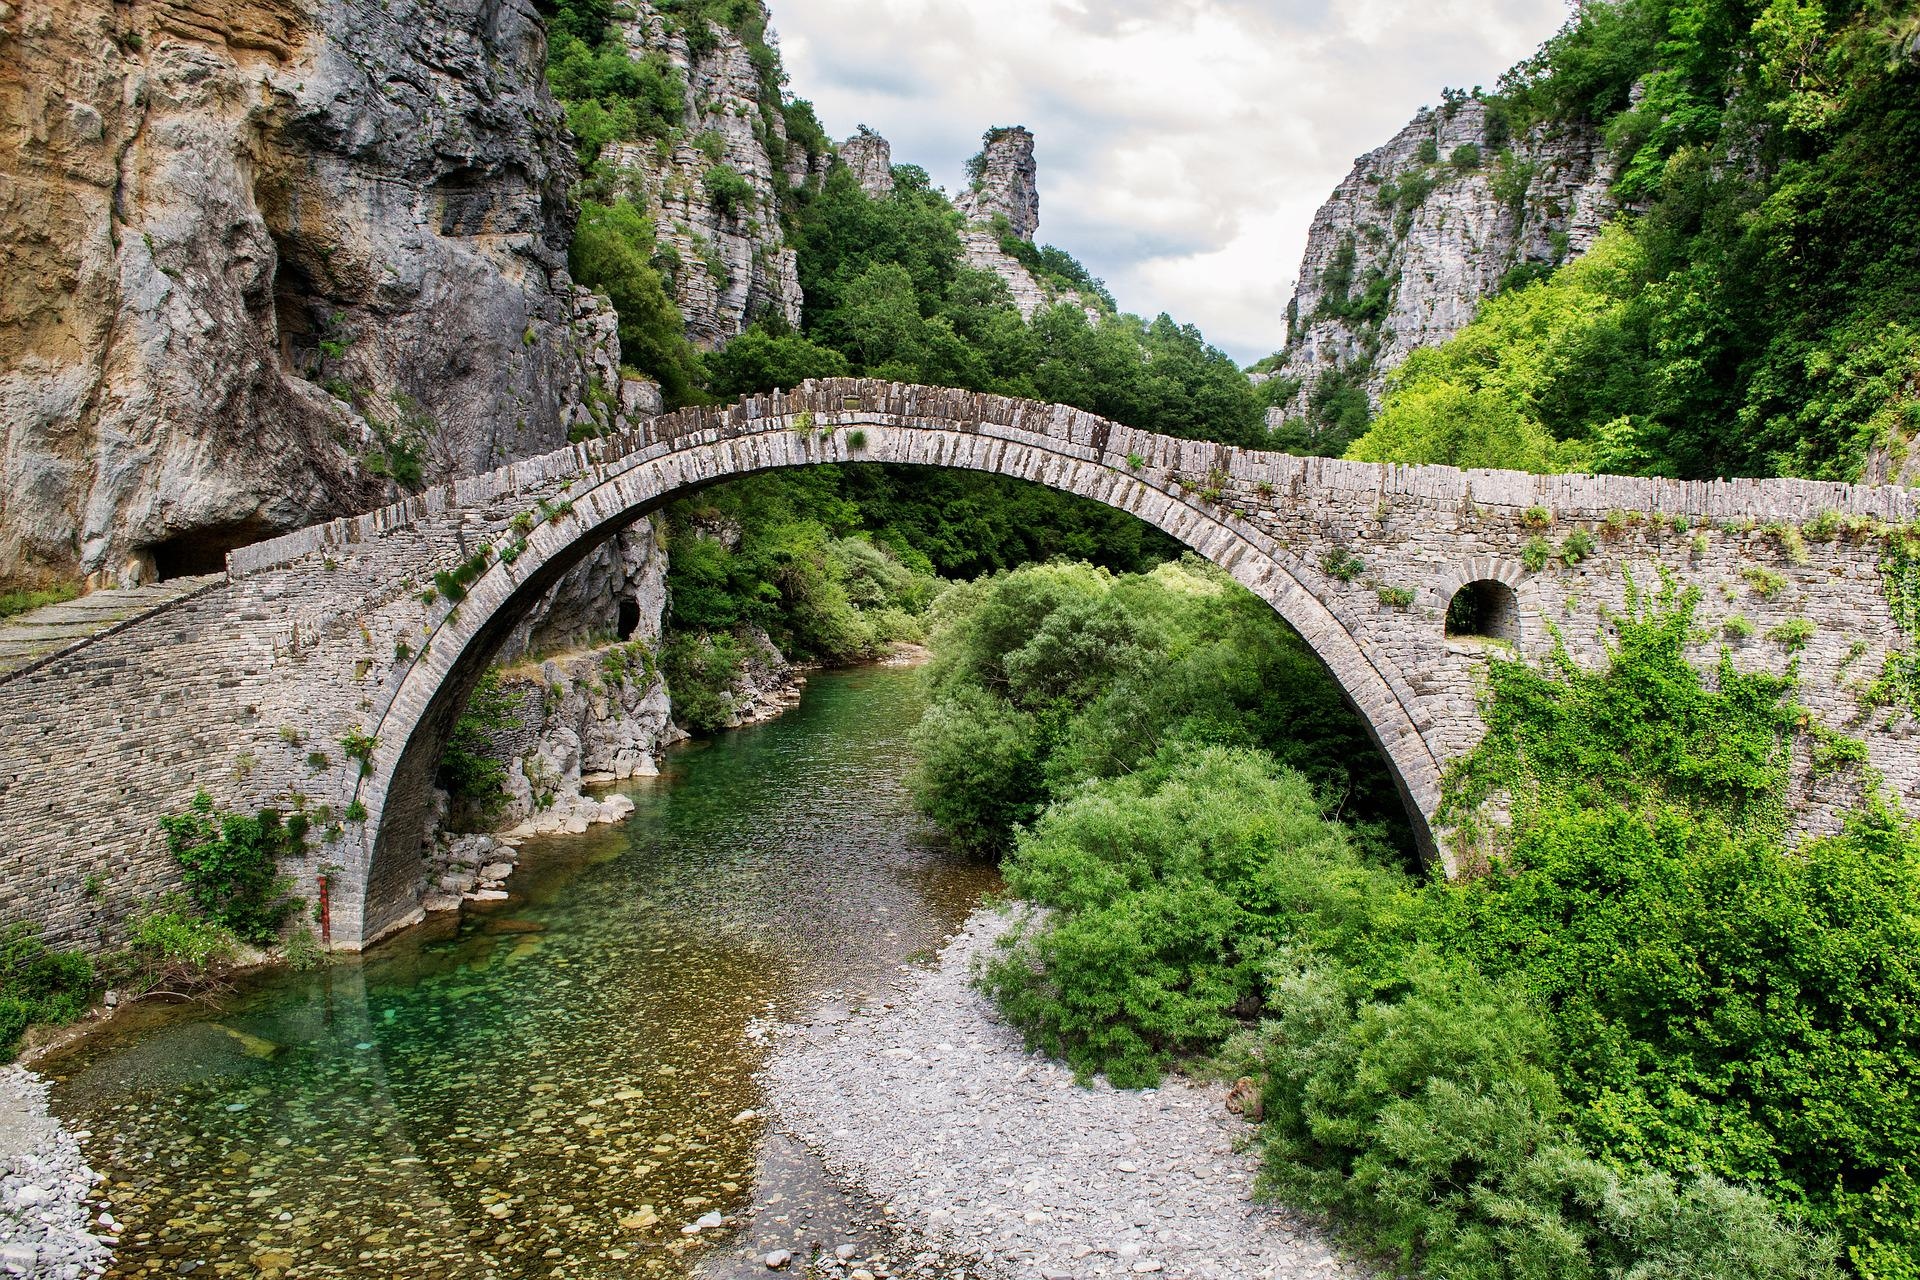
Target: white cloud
x=1183, y=144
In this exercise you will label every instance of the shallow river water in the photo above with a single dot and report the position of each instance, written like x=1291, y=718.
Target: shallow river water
x=557, y=1085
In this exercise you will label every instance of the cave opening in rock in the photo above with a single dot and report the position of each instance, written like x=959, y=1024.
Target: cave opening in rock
x=629, y=619
x=202, y=551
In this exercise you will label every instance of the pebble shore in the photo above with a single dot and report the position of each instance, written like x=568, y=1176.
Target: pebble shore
x=45, y=1186
x=935, y=1107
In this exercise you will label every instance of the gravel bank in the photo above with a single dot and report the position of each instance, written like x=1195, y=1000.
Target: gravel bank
x=935, y=1107
x=44, y=1186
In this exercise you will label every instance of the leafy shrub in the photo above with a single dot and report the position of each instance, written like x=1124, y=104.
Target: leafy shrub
x=701, y=670
x=173, y=947
x=470, y=768
x=38, y=984
x=1536, y=554
x=1396, y=597
x=230, y=864
x=1576, y=546
x=1794, y=633
x=1165, y=888
x=1067, y=673
x=731, y=193
x=1341, y=563
x=1430, y=1118
x=977, y=770
x=1765, y=583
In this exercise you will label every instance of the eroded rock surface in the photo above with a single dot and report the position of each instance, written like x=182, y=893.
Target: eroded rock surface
x=259, y=258
x=1004, y=201
x=730, y=263
x=1425, y=228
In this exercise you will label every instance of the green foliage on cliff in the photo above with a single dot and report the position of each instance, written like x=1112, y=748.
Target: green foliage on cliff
x=1758, y=310
x=609, y=95
x=612, y=254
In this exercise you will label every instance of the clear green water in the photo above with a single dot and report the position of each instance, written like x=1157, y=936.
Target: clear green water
x=553, y=1087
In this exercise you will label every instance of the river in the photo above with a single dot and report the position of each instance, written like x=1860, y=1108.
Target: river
x=560, y=1084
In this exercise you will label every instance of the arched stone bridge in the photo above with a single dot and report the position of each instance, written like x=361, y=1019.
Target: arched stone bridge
x=252, y=686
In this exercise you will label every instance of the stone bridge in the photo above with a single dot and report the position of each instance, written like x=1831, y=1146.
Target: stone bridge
x=324, y=670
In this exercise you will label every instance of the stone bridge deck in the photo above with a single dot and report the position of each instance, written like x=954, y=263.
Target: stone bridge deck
x=362, y=637
x=30, y=638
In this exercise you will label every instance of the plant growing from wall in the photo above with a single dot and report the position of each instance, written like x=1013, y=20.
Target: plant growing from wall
x=1793, y=634
x=1342, y=563
x=1576, y=546
x=230, y=865
x=360, y=746
x=1764, y=582
x=1536, y=554
x=1400, y=598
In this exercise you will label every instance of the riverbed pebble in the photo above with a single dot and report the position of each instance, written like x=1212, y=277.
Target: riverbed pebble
x=45, y=1185
x=935, y=1107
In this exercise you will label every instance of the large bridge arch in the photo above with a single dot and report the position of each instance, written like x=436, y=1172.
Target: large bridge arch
x=934, y=430
x=265, y=685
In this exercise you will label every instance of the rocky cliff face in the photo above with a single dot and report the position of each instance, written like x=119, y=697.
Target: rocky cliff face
x=1420, y=232
x=1004, y=200
x=870, y=157
x=261, y=260
x=1005, y=183
x=721, y=234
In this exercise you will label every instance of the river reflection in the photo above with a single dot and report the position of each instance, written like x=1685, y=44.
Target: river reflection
x=560, y=1084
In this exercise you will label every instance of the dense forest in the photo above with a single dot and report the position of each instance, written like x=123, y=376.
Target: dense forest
x=1756, y=309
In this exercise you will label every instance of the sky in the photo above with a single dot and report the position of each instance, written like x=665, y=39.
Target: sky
x=1183, y=145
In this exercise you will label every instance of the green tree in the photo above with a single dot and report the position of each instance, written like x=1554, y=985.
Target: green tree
x=611, y=253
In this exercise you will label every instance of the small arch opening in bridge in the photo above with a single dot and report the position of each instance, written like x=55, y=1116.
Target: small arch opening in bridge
x=1486, y=610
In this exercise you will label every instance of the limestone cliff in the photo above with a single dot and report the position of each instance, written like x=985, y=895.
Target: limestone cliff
x=1419, y=233
x=1001, y=206
x=713, y=186
x=263, y=262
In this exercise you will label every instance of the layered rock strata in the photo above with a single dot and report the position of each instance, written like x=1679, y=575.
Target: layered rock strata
x=1425, y=228
x=262, y=262
x=870, y=159
x=727, y=254
x=1004, y=201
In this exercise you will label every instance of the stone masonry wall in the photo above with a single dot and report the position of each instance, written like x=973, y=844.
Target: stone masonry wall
x=330, y=631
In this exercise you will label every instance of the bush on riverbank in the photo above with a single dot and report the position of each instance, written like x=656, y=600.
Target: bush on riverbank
x=1652, y=1041
x=171, y=947
x=1054, y=674
x=38, y=984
